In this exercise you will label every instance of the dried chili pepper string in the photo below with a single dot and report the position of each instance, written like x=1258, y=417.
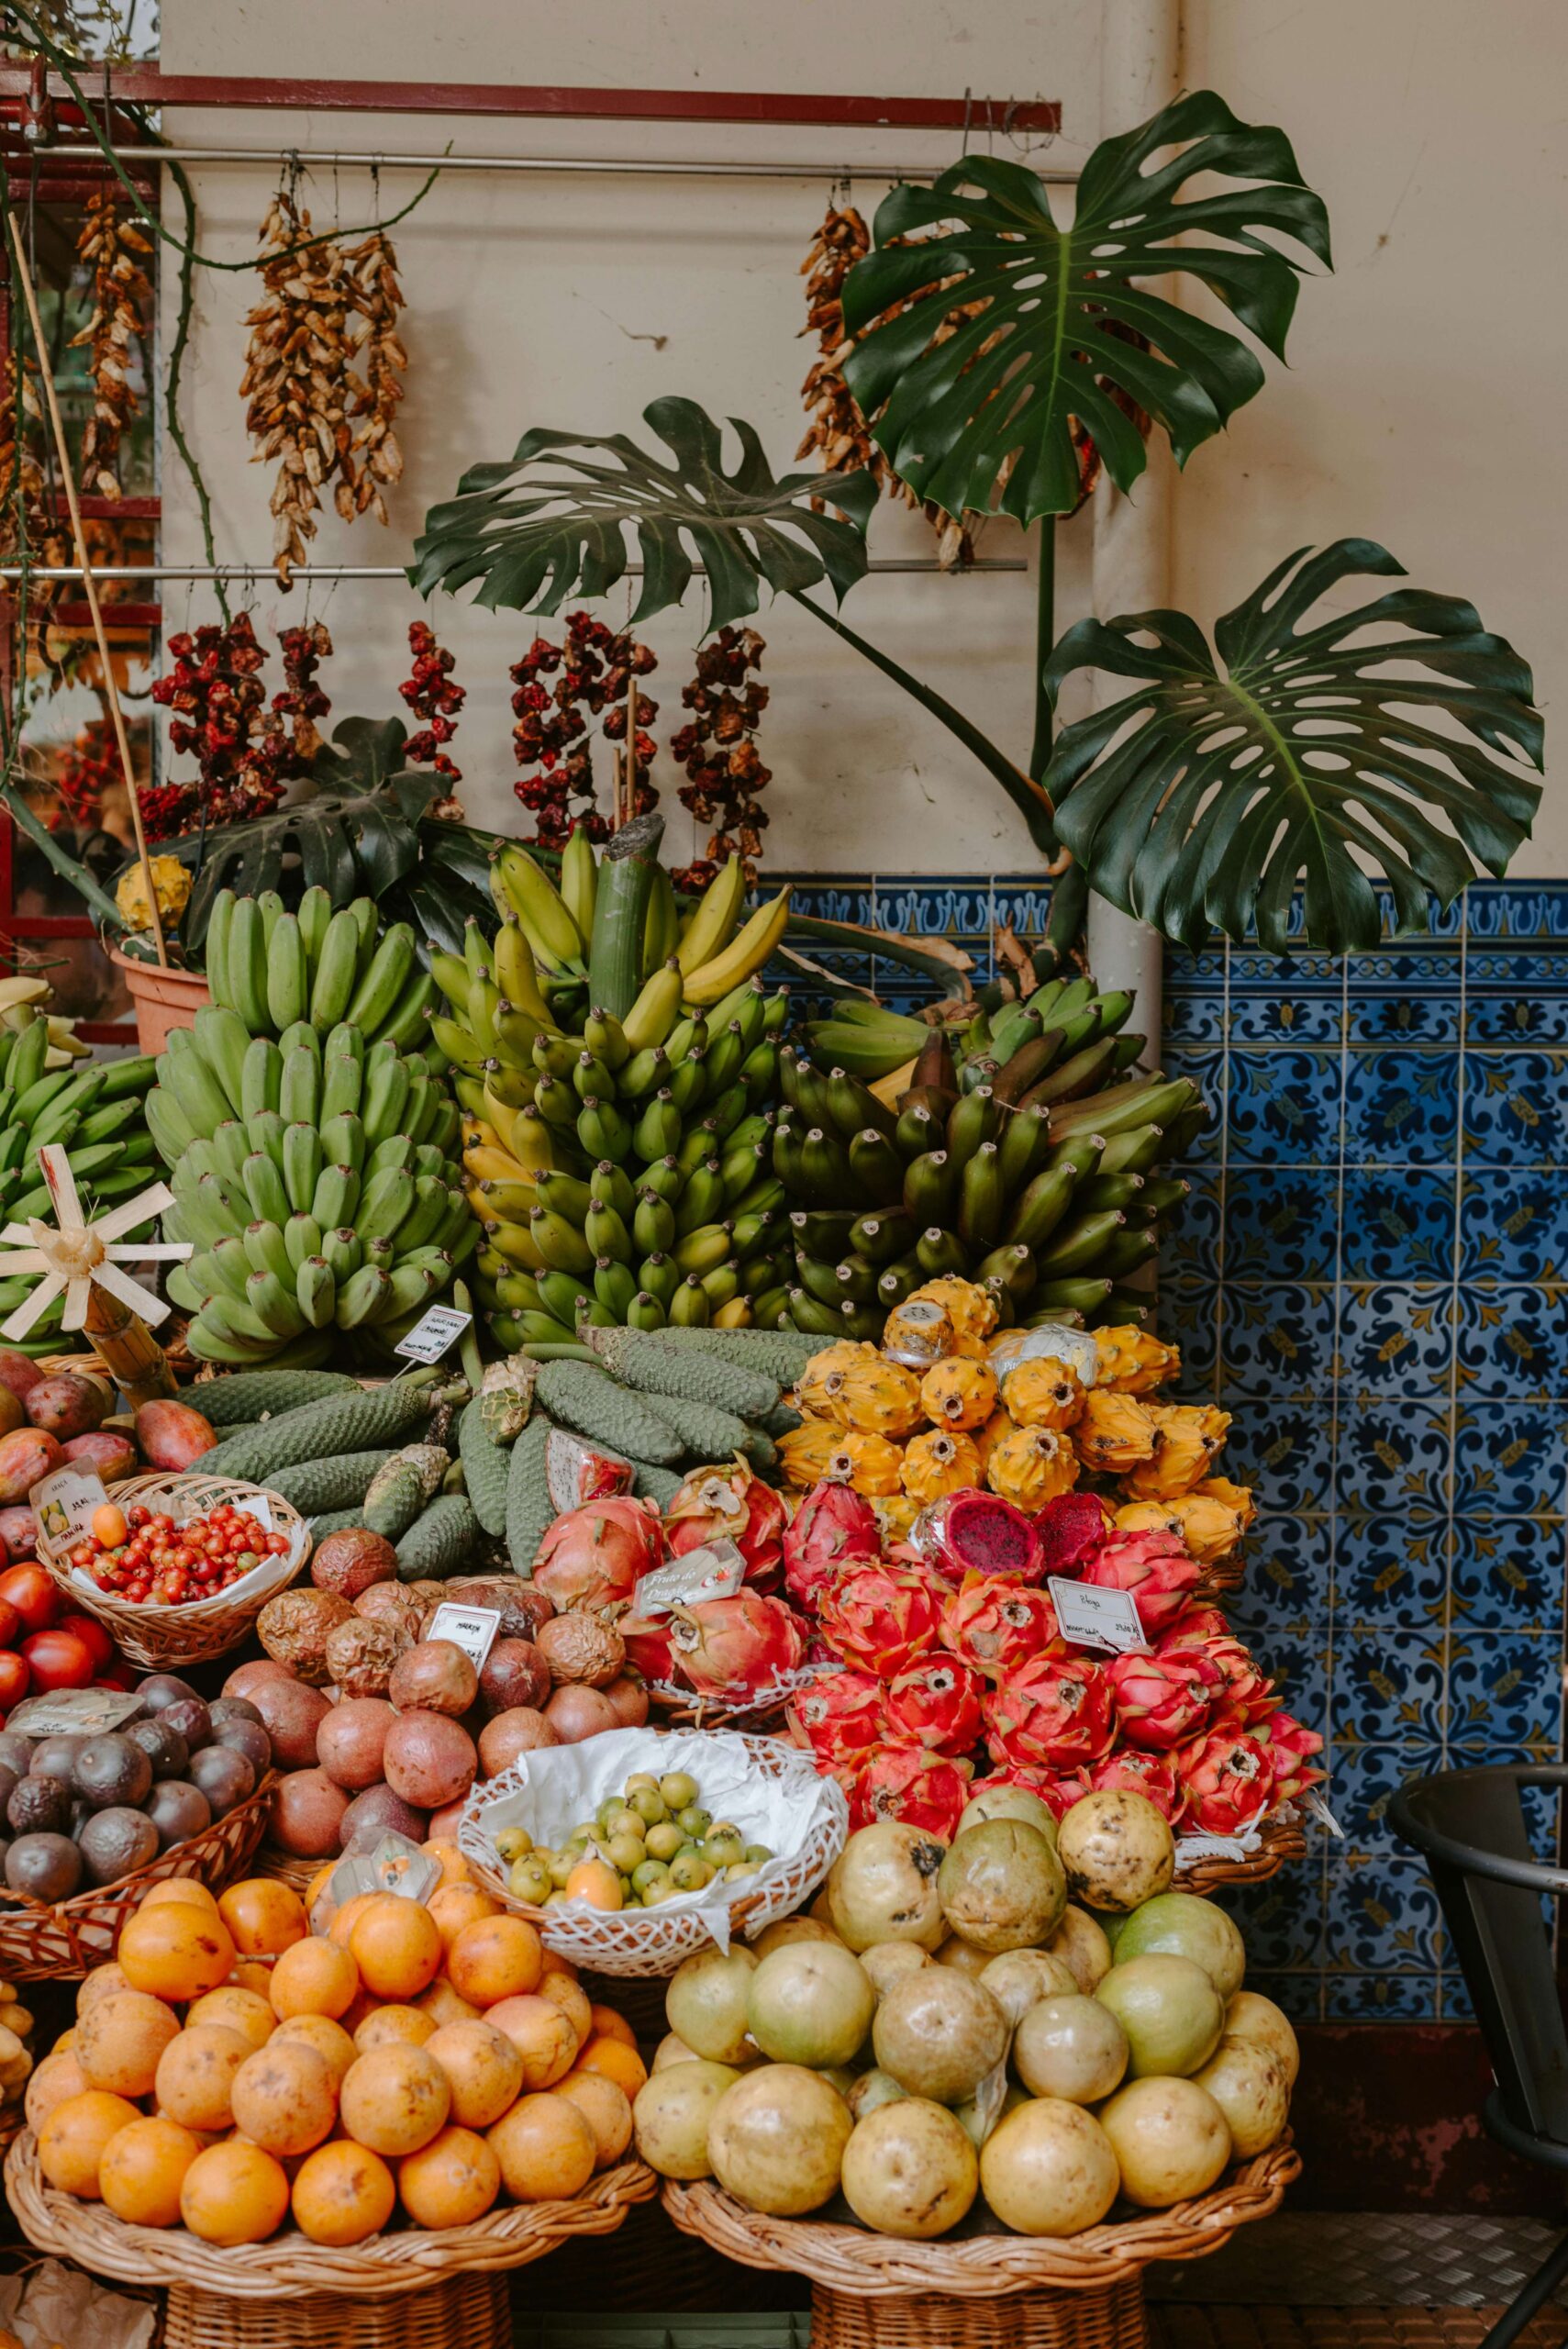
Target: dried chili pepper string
x=718, y=750
x=552, y=731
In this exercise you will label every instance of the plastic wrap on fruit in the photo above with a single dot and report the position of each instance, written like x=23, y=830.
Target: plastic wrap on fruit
x=1076, y=1348
x=577, y=1471
x=978, y=1532
x=918, y=1333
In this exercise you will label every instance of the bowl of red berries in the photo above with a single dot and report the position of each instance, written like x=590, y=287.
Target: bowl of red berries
x=178, y=1567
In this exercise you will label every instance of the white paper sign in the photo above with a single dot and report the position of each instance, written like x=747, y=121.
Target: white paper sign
x=63, y=1505
x=716, y=1571
x=431, y=1335
x=1093, y=1617
x=472, y=1628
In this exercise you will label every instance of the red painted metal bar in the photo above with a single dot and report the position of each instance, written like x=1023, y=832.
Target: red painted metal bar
x=145, y=86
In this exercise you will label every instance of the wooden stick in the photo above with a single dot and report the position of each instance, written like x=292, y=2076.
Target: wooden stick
x=90, y=586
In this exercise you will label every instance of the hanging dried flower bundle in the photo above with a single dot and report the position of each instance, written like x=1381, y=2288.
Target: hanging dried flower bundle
x=113, y=245
x=245, y=753
x=302, y=700
x=552, y=732
x=90, y=767
x=23, y=504
x=431, y=695
x=378, y=299
x=718, y=748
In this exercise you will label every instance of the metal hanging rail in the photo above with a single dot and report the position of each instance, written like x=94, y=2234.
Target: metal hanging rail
x=633, y=167
x=336, y=571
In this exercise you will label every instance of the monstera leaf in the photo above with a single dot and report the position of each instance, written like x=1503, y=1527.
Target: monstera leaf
x=534, y=536
x=1200, y=799
x=1069, y=317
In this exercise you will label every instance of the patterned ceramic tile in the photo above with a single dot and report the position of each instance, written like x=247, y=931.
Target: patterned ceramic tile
x=1516, y=998
x=1503, y=1686
x=1282, y=1223
x=1306, y=1015
x=1193, y=1245
x=1284, y=1452
x=1395, y=1340
x=1406, y=1011
x=1283, y=1107
x=1512, y=1342
x=1362, y=1781
x=1382, y=1997
x=1508, y=1574
x=1514, y=1109
x=1393, y=1457
x=1513, y=1226
x=1383, y=1918
x=1392, y=1571
x=1398, y=1224
x=1387, y=1685
x=1511, y=1458
x=1401, y=1107
x=1278, y=1339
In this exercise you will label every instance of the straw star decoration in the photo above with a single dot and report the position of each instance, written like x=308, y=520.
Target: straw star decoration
x=77, y=1253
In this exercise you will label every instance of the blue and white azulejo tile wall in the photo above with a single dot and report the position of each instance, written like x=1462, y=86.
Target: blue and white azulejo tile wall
x=1372, y=1277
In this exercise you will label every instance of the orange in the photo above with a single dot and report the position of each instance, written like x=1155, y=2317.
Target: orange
x=397, y=1946
x=542, y=2036
x=605, y=2109
x=317, y=1885
x=263, y=1916
x=564, y=1990
x=442, y=2001
x=328, y=2038
x=66, y=2040
x=143, y=2169
x=241, y=2010
x=394, y=2099
x=546, y=2149
x=454, y=1867
x=553, y=1963
x=596, y=1882
x=342, y=2193
x=454, y=1906
x=57, y=2076
x=119, y=2040
x=253, y=1974
x=614, y=2060
x=607, y=2024
x=196, y=2075
x=175, y=1949
x=72, y=2140
x=284, y=2097
x=179, y=1887
x=349, y=1915
x=494, y=1958
x=384, y=2024
x=450, y=2182
x=234, y=2193
x=314, y=1978
x=102, y=1983
x=484, y=2070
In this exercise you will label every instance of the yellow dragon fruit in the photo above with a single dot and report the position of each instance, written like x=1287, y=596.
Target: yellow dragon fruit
x=942, y=1461
x=821, y=1386
x=806, y=1450
x=958, y=1394
x=1188, y=1437
x=896, y=1514
x=919, y=1333
x=1236, y=1497
x=970, y=1310
x=987, y=1438
x=871, y=1395
x=1134, y=1361
x=1041, y=1392
x=867, y=1463
x=1207, y=1528
x=1114, y=1433
x=1030, y=1466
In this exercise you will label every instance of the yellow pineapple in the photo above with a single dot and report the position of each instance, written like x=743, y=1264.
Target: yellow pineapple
x=1133, y=1361
x=1188, y=1438
x=919, y=1332
x=1043, y=1392
x=969, y=1307
x=958, y=1393
x=941, y=1461
x=1114, y=1433
x=1030, y=1466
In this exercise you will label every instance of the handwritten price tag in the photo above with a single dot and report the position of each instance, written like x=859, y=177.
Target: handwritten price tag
x=429, y=1337
x=63, y=1505
x=472, y=1628
x=1092, y=1618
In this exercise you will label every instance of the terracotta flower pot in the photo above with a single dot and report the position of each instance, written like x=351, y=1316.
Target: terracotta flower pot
x=163, y=998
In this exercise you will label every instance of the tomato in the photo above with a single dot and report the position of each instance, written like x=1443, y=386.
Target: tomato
x=14, y=1679
x=88, y=1628
x=58, y=1659
x=10, y=1625
x=28, y=1589
x=119, y=1675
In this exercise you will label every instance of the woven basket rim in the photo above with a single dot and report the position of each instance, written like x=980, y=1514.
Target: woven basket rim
x=289, y=2266
x=864, y=2265
x=17, y=1907
x=1280, y=1838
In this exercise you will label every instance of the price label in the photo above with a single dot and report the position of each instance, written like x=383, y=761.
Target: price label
x=431, y=1335
x=472, y=1628
x=1093, y=1617
x=63, y=1505
x=716, y=1571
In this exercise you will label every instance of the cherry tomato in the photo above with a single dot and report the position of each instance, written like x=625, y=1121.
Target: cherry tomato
x=30, y=1590
x=58, y=1659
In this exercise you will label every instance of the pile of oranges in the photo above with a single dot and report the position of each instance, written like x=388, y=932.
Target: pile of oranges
x=231, y=2068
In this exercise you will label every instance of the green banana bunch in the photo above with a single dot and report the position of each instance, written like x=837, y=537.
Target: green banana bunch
x=275, y=969
x=1017, y=1153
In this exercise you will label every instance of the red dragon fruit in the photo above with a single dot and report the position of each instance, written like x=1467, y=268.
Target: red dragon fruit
x=1246, y=1693
x=577, y=1472
x=1290, y=1746
x=1129, y=1771
x=840, y=1718
x=995, y=1627
x=736, y=1649
x=1052, y=1714
x=1060, y=1789
x=1153, y=1567
x=935, y=1704
x=1161, y=1700
x=1227, y=1782
x=733, y=1505
x=924, y=1790
x=1070, y=1529
x=975, y=1532
x=1192, y=1626
x=882, y=1618
x=593, y=1558
x=648, y=1646
x=834, y=1529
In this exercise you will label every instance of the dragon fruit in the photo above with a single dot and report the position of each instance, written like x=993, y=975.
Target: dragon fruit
x=977, y=1532
x=958, y=1394
x=1290, y=1746
x=593, y=1558
x=971, y=1308
x=1153, y=1567
x=1134, y=1363
x=1244, y=1693
x=1113, y=1433
x=1231, y=1495
x=1060, y=1789
x=645, y=1639
x=1228, y=1781
x=832, y=1528
x=812, y=1451
x=882, y=1618
x=903, y=1782
x=1187, y=1439
x=732, y=1504
x=735, y=1649
x=870, y=1462
x=1053, y=1713
x=940, y=1461
x=1191, y=1627
x=935, y=1704
x=576, y=1471
x=1161, y=1700
x=856, y=1388
x=1070, y=1529
x=1206, y=1528
x=1030, y=1466
x=1131, y=1772
x=997, y=1627
x=839, y=1717
x=1041, y=1392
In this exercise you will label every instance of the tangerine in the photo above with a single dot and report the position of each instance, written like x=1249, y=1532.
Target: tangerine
x=607, y=2024
x=175, y=1949
x=484, y=2070
x=328, y=2039
x=234, y=2193
x=546, y=2147
x=606, y=2109
x=342, y=2192
x=119, y=2040
x=382, y=2025
x=542, y=2036
x=102, y=1983
x=495, y=1958
x=284, y=2097
x=394, y=2098
x=196, y=2075
x=564, y=1990
x=264, y=1917
x=72, y=2140
x=314, y=1978
x=242, y=2011
x=454, y=1906
x=450, y=2182
x=57, y=2077
x=614, y=2060
x=142, y=2170
x=397, y=1946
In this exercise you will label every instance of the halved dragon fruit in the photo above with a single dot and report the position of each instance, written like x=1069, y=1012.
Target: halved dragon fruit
x=977, y=1532
x=1070, y=1528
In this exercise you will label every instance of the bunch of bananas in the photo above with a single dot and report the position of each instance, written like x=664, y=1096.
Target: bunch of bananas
x=1017, y=1161
x=315, y=1180
x=275, y=969
x=618, y=1068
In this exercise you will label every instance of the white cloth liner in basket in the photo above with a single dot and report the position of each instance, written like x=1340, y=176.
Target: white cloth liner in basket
x=770, y=1790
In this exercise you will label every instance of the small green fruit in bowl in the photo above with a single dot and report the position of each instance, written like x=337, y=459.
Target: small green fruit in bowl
x=679, y=1791
x=649, y=1805
x=513, y=1843
x=530, y=1880
x=664, y=1841
x=690, y=1873
x=694, y=1821
x=725, y=1846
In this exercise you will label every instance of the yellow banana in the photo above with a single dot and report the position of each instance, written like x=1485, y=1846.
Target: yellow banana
x=477, y=1131
x=540, y=907
x=579, y=879
x=656, y=1010
x=708, y=930
x=888, y=1089
x=736, y=1314
x=517, y=1244
x=489, y=1164
x=745, y=953
x=514, y=973
x=19, y=990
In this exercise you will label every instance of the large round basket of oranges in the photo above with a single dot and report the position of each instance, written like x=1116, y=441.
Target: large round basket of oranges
x=249, y=2108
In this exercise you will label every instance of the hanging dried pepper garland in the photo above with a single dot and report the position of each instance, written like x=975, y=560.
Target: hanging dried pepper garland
x=378, y=297
x=89, y=768
x=23, y=513
x=302, y=700
x=552, y=732
x=113, y=245
x=431, y=695
x=244, y=752
x=718, y=748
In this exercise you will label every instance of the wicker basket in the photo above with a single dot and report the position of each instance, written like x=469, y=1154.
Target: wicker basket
x=1282, y=1839
x=683, y=1709
x=163, y=1637
x=285, y=1870
x=44, y=1944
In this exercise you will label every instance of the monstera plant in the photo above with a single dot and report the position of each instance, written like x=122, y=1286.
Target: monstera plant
x=1319, y=750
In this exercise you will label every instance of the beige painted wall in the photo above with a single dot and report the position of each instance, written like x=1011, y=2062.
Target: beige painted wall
x=1432, y=127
